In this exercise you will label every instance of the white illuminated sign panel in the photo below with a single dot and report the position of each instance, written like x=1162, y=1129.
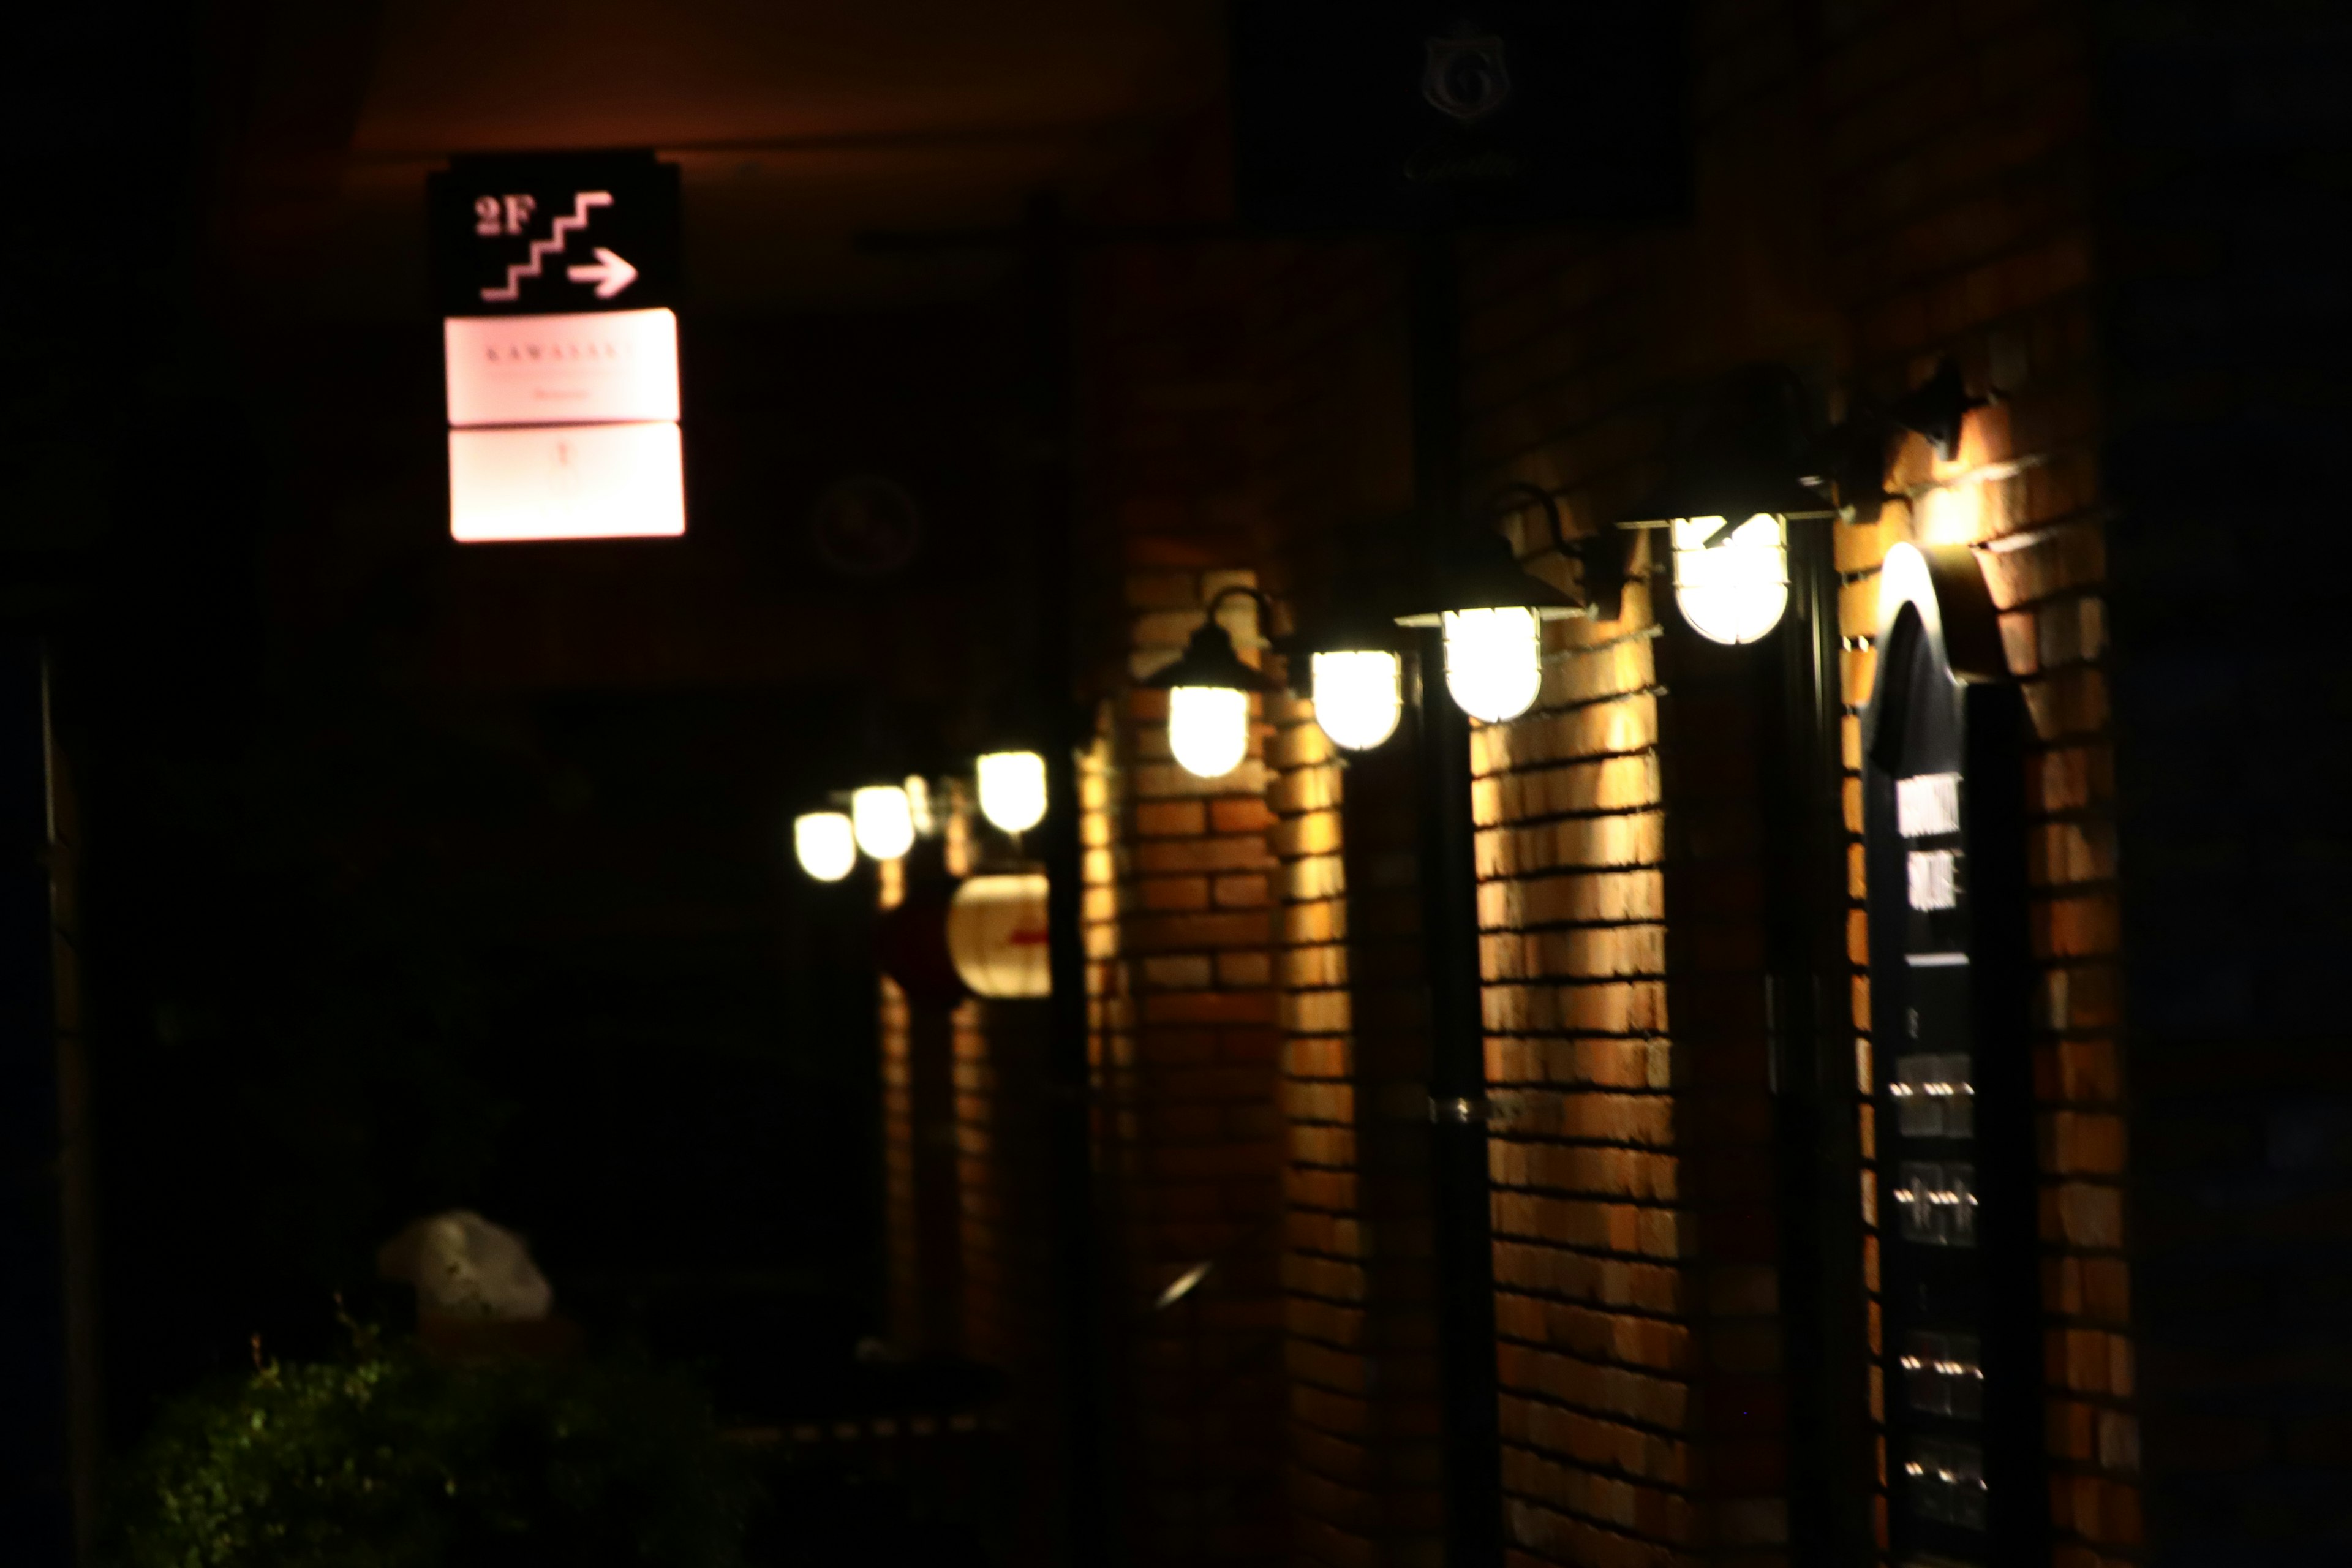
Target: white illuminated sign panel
x=590, y=367
x=560, y=353
x=566, y=481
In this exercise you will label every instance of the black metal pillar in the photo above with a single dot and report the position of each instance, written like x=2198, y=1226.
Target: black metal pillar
x=36, y=1463
x=1810, y=1037
x=1460, y=1190
x=1069, y=1113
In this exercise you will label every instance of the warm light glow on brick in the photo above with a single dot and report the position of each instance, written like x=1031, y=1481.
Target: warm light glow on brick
x=1951, y=514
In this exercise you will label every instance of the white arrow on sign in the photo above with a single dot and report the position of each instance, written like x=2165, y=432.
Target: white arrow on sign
x=608, y=272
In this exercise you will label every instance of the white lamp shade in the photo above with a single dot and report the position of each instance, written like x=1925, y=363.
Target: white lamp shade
x=997, y=936
x=1359, y=696
x=827, y=844
x=1494, y=661
x=884, y=819
x=1731, y=590
x=1208, y=728
x=1012, y=790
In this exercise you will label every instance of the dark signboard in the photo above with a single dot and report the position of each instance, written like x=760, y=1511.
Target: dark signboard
x=1943, y=834
x=554, y=232
x=1399, y=114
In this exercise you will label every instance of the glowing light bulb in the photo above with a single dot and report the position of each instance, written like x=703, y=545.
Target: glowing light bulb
x=884, y=820
x=1208, y=728
x=1012, y=790
x=1359, y=696
x=827, y=844
x=1494, y=661
x=919, y=807
x=1731, y=588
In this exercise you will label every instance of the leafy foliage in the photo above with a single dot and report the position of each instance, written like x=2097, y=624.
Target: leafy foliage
x=384, y=1459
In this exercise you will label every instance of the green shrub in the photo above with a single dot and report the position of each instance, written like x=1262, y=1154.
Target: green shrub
x=388, y=1460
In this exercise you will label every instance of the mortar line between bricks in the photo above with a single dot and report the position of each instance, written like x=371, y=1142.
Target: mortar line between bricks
x=1631, y=1423
x=2025, y=244
x=1602, y=1524
x=1974, y=117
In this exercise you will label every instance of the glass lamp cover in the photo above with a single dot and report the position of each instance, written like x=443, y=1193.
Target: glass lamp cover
x=825, y=843
x=1208, y=728
x=1012, y=790
x=1494, y=661
x=1359, y=696
x=1735, y=589
x=884, y=819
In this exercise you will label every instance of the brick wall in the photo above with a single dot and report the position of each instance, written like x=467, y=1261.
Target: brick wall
x=1879, y=185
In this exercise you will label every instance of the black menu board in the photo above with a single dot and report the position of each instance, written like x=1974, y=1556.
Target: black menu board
x=1943, y=834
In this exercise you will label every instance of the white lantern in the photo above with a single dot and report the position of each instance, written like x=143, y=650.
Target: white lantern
x=827, y=844
x=1208, y=728
x=884, y=819
x=1491, y=613
x=1012, y=790
x=1733, y=586
x=1209, y=690
x=1494, y=661
x=1359, y=696
x=997, y=936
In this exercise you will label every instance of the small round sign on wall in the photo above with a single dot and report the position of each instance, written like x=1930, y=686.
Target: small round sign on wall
x=866, y=526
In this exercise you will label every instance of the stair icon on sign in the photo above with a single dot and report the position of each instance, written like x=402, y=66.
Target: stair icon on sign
x=559, y=236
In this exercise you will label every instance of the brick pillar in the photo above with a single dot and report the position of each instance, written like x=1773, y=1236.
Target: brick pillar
x=1715, y=751
x=1633, y=1243
x=1358, y=1312
x=1191, y=1153
x=2023, y=490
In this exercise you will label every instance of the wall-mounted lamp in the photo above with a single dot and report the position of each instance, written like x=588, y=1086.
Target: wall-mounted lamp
x=1346, y=658
x=1011, y=789
x=826, y=842
x=1359, y=695
x=884, y=820
x=1728, y=507
x=1209, y=690
x=1492, y=611
x=1731, y=583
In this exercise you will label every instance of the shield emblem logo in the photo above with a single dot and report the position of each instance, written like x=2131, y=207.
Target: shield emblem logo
x=1466, y=78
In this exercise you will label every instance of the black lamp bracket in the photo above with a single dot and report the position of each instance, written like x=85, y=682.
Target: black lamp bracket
x=1264, y=607
x=1853, y=454
x=1209, y=657
x=1602, y=559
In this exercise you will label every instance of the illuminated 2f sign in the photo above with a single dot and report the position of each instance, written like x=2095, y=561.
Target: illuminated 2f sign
x=554, y=232
x=495, y=215
x=555, y=275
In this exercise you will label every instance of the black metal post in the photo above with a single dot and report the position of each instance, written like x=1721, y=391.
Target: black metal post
x=1069, y=1114
x=38, y=1479
x=1460, y=1189
x=1811, y=1038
